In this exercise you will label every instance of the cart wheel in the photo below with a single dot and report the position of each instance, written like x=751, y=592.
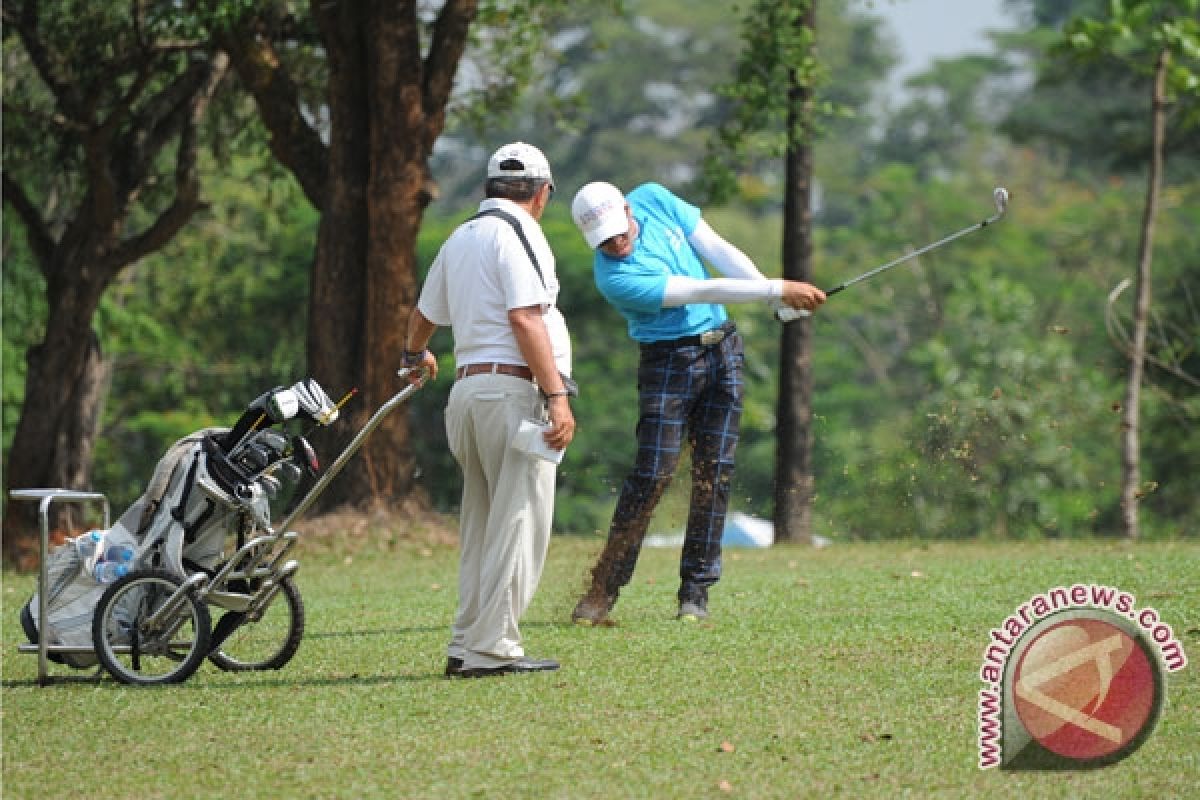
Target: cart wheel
x=265, y=641
x=143, y=637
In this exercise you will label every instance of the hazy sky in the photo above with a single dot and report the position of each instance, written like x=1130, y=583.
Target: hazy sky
x=929, y=29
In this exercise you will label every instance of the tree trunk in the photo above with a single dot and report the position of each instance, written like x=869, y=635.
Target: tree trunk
x=387, y=109
x=1130, y=459
x=336, y=329
x=52, y=445
x=398, y=192
x=794, y=485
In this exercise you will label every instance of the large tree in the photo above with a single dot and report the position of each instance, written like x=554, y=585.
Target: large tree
x=776, y=82
x=361, y=151
x=102, y=108
x=795, y=484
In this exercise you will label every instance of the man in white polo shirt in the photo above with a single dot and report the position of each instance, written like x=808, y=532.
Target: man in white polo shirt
x=494, y=284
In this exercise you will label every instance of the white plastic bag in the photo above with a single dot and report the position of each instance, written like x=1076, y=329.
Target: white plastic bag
x=528, y=439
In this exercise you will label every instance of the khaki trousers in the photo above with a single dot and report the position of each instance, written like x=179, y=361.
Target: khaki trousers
x=504, y=525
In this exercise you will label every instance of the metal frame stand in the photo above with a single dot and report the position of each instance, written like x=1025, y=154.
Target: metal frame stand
x=46, y=498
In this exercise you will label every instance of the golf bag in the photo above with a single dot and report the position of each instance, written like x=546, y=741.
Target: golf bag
x=214, y=485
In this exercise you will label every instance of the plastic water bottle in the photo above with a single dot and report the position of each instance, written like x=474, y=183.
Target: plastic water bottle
x=120, y=553
x=87, y=544
x=110, y=571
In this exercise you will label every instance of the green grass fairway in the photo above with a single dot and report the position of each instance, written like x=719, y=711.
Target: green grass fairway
x=851, y=671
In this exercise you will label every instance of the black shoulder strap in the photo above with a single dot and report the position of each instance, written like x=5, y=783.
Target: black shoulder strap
x=516, y=226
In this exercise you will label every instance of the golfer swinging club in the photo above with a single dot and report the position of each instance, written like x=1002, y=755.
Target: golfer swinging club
x=648, y=249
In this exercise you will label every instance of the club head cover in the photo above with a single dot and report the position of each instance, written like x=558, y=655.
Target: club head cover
x=283, y=405
x=263, y=404
x=314, y=402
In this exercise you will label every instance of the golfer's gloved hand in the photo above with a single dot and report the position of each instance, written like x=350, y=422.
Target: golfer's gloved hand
x=314, y=402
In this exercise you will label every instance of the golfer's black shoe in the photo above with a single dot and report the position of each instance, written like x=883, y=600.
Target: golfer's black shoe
x=692, y=611
x=453, y=667
x=518, y=666
x=693, y=603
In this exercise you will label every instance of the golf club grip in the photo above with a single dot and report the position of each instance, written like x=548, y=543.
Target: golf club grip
x=835, y=290
x=789, y=314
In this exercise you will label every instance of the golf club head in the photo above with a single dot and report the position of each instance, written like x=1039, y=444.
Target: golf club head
x=1000, y=198
x=271, y=485
x=304, y=456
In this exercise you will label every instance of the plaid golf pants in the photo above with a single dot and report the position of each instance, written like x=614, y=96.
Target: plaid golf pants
x=693, y=391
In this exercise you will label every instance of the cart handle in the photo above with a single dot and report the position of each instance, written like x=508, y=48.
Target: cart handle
x=351, y=449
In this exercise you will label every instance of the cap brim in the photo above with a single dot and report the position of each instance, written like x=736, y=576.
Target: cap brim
x=610, y=226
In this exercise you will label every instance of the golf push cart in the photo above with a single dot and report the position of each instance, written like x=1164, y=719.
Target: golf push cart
x=199, y=542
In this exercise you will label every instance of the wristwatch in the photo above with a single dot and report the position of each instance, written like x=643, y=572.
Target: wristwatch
x=412, y=358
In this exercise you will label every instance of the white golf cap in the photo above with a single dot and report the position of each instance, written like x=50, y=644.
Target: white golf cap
x=519, y=160
x=599, y=212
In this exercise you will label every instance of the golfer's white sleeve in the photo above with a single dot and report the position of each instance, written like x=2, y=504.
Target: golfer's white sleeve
x=680, y=291
x=732, y=263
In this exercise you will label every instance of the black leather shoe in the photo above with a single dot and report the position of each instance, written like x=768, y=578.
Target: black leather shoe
x=453, y=667
x=518, y=666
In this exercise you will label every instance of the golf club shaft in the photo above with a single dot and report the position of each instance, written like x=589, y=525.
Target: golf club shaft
x=912, y=255
x=1000, y=196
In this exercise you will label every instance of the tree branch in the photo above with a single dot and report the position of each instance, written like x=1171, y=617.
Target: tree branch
x=187, y=185
x=36, y=232
x=164, y=115
x=26, y=22
x=293, y=141
x=445, y=52
x=54, y=121
x=115, y=165
x=1118, y=334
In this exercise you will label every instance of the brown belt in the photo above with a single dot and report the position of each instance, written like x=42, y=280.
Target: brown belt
x=516, y=370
